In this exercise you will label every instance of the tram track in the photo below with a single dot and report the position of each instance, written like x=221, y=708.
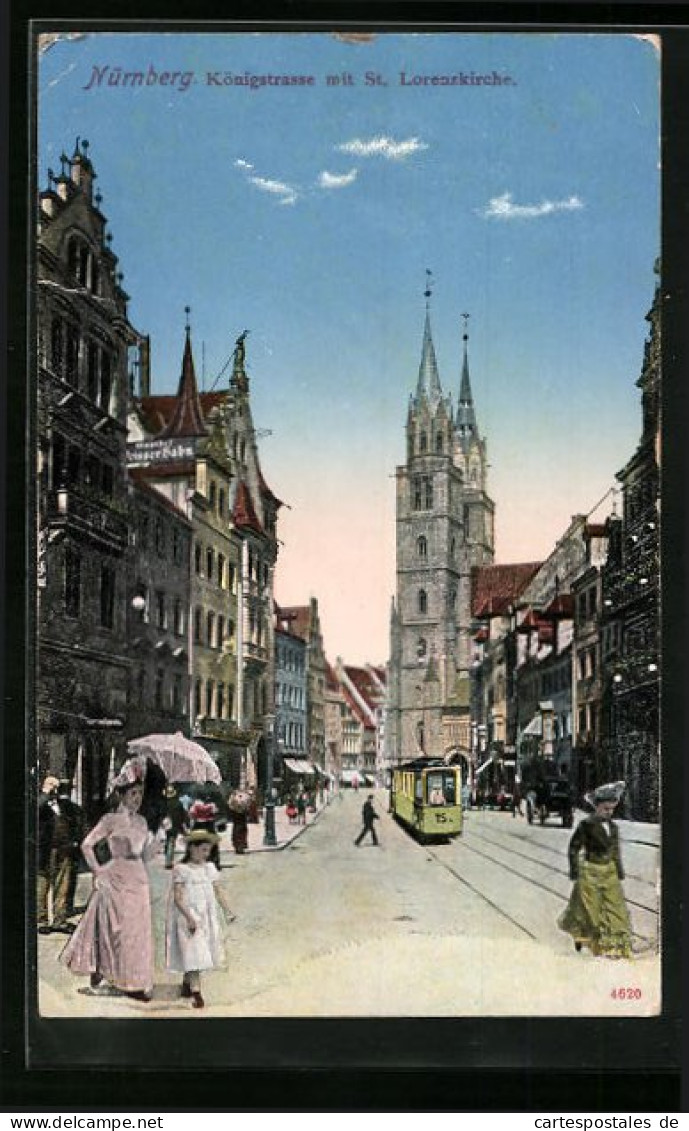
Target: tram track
x=558, y=851
x=558, y=871
x=437, y=858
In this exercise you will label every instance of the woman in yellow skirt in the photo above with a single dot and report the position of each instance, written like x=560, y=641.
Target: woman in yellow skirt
x=596, y=915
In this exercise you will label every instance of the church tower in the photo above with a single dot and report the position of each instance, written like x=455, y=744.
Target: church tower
x=444, y=527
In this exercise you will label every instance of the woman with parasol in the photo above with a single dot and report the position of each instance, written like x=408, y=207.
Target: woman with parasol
x=596, y=915
x=114, y=940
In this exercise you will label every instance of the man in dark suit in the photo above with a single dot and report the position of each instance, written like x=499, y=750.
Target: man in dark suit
x=60, y=833
x=368, y=815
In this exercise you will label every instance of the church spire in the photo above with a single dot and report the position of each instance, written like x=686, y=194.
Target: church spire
x=429, y=380
x=466, y=417
x=187, y=419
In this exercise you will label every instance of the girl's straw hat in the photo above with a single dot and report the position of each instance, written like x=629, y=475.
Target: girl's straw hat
x=202, y=836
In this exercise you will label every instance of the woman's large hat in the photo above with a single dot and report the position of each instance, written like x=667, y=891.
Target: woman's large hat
x=202, y=836
x=611, y=792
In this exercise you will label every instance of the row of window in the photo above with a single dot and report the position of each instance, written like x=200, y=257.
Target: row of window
x=422, y=600
x=166, y=615
x=168, y=691
x=438, y=443
x=71, y=468
x=82, y=362
x=75, y=576
x=292, y=736
x=287, y=695
x=166, y=536
x=587, y=604
x=212, y=629
x=289, y=660
x=214, y=567
x=213, y=699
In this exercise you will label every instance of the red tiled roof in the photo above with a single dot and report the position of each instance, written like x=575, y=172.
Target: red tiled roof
x=140, y=477
x=157, y=411
x=187, y=415
x=356, y=709
x=531, y=622
x=560, y=606
x=494, y=587
x=244, y=513
x=364, y=684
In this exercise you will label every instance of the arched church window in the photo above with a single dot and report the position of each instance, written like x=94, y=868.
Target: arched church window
x=83, y=271
x=421, y=648
x=428, y=482
x=422, y=546
x=453, y=547
x=439, y=442
x=423, y=442
x=452, y=598
x=416, y=487
x=422, y=601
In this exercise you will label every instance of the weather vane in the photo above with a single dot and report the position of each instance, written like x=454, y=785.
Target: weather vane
x=429, y=284
x=187, y=311
x=466, y=326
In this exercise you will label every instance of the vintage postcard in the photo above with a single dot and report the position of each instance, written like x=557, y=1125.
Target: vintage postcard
x=347, y=413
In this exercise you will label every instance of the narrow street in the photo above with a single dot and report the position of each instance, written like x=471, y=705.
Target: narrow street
x=468, y=928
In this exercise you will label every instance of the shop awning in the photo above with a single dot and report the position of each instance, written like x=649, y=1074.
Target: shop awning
x=351, y=776
x=298, y=765
x=321, y=771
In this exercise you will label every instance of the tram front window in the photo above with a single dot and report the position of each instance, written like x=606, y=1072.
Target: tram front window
x=440, y=788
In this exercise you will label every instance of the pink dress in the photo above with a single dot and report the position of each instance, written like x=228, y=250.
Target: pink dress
x=115, y=937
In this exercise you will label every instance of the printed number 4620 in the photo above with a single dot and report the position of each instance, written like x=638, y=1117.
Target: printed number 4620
x=626, y=993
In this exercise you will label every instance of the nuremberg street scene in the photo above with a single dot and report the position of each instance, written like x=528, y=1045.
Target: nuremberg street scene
x=413, y=813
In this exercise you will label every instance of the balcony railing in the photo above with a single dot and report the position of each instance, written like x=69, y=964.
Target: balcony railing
x=99, y=517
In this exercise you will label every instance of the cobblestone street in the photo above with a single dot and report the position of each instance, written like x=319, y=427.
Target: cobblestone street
x=324, y=928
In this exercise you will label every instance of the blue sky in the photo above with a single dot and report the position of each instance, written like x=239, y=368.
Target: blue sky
x=309, y=215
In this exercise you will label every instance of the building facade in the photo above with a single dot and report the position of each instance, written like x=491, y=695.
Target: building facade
x=158, y=599
x=83, y=356
x=444, y=529
x=630, y=625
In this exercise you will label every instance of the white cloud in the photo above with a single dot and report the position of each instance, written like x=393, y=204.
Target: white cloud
x=336, y=180
x=286, y=192
x=503, y=208
x=382, y=147
x=242, y=164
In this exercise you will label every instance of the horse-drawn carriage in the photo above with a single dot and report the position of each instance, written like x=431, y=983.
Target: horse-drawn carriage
x=550, y=797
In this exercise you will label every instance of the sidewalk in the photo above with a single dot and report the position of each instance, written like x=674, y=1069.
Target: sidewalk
x=285, y=831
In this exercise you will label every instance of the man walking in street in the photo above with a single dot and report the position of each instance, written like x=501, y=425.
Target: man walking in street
x=60, y=832
x=368, y=815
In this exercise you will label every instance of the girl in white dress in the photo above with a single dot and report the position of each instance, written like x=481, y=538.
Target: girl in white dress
x=193, y=936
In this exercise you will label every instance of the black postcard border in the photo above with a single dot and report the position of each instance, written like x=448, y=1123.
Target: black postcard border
x=329, y=1064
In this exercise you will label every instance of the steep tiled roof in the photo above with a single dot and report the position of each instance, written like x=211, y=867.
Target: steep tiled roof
x=244, y=514
x=561, y=606
x=494, y=587
x=365, y=685
x=187, y=415
x=356, y=710
x=157, y=411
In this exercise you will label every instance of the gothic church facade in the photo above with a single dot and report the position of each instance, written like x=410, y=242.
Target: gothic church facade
x=444, y=528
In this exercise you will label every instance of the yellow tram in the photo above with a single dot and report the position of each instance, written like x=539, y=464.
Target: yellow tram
x=426, y=796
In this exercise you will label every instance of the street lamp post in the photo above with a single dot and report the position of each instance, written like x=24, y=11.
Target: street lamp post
x=269, y=800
